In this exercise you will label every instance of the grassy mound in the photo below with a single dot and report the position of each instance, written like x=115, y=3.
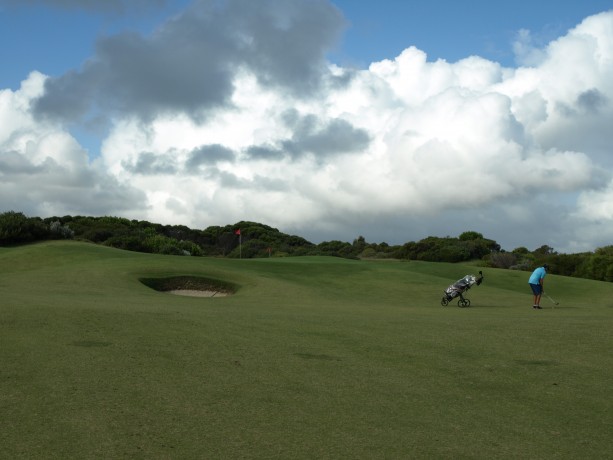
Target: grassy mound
x=312, y=357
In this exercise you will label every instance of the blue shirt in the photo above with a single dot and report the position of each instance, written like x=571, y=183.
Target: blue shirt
x=537, y=275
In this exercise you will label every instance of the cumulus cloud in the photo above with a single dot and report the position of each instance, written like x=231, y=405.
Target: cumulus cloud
x=188, y=64
x=44, y=171
x=309, y=136
x=229, y=111
x=526, y=52
x=207, y=155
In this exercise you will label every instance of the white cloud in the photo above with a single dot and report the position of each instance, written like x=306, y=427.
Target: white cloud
x=526, y=53
x=43, y=169
x=596, y=205
x=408, y=144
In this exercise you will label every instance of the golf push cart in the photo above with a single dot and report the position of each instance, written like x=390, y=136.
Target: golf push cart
x=460, y=287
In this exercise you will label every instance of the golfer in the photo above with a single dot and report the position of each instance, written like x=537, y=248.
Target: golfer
x=536, y=284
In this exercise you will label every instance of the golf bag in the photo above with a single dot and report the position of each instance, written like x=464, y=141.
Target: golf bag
x=458, y=288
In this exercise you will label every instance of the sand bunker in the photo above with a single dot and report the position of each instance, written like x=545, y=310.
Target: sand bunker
x=192, y=286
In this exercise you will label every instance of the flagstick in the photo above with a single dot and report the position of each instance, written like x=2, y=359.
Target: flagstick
x=240, y=242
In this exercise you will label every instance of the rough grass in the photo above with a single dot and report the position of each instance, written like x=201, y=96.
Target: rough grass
x=310, y=358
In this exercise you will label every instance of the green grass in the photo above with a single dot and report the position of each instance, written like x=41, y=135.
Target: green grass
x=310, y=358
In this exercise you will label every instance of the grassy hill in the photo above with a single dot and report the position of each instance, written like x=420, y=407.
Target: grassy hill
x=312, y=357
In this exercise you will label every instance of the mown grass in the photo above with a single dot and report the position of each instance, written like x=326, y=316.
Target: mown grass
x=310, y=358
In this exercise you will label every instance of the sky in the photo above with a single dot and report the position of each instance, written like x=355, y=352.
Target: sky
x=392, y=120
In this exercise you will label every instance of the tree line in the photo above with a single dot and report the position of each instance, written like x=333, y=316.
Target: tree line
x=259, y=240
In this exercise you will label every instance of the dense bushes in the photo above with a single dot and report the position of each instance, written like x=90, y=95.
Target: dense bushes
x=468, y=246
x=258, y=240
x=597, y=265
x=16, y=228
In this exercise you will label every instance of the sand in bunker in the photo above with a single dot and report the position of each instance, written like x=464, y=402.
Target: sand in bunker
x=197, y=293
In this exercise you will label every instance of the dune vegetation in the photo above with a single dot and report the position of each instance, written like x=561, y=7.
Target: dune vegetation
x=306, y=357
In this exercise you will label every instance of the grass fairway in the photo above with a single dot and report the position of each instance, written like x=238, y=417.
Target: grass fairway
x=310, y=358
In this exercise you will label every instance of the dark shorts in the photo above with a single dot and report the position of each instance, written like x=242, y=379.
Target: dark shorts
x=536, y=288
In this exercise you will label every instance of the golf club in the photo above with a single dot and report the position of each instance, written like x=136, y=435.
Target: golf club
x=553, y=301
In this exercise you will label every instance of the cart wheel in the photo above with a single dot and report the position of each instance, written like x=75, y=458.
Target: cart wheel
x=444, y=302
x=464, y=303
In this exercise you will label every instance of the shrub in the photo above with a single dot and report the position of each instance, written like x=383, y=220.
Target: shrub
x=502, y=259
x=59, y=231
x=16, y=228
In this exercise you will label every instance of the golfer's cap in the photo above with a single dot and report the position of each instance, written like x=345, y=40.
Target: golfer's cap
x=546, y=267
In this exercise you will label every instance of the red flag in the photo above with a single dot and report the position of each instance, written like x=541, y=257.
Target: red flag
x=237, y=232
